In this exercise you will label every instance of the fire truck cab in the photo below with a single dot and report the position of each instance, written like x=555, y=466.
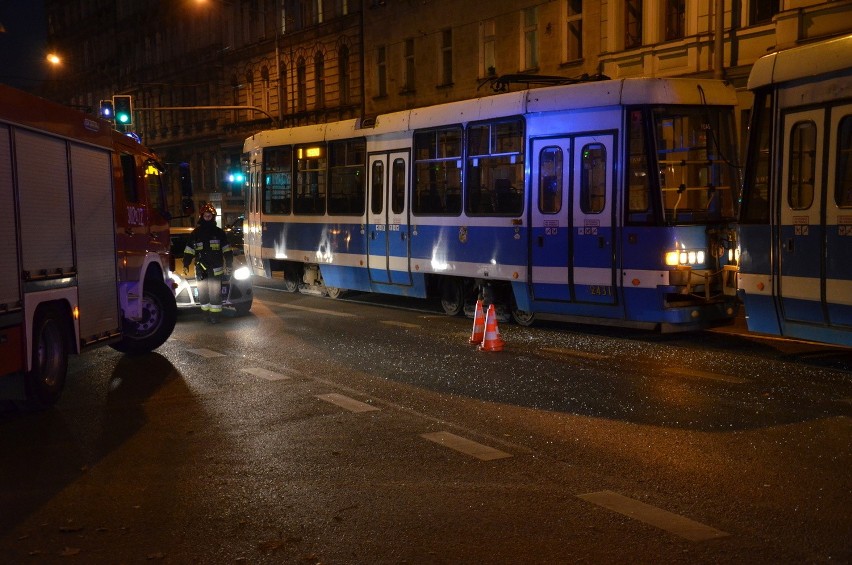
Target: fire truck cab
x=84, y=243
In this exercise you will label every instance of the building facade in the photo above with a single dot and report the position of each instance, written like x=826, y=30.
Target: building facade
x=206, y=74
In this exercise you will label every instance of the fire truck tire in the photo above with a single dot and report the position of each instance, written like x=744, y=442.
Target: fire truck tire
x=242, y=308
x=159, y=315
x=44, y=383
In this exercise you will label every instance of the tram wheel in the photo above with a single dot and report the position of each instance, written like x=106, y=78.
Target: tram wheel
x=334, y=292
x=521, y=317
x=452, y=296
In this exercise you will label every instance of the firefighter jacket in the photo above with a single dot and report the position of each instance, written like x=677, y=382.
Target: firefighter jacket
x=208, y=245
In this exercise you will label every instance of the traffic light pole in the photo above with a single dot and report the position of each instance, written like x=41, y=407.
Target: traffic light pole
x=168, y=108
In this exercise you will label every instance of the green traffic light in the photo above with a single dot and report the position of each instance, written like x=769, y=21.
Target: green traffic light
x=123, y=118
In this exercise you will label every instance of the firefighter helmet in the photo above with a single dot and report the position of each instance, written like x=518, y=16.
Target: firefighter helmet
x=208, y=208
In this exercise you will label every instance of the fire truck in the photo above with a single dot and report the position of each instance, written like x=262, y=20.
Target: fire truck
x=84, y=244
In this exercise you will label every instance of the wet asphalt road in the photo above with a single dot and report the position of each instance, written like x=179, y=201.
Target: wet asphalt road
x=320, y=431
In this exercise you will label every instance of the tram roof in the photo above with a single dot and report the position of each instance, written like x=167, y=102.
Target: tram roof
x=802, y=62
x=596, y=94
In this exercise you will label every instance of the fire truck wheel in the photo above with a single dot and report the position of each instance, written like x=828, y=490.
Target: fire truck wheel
x=242, y=308
x=45, y=382
x=159, y=314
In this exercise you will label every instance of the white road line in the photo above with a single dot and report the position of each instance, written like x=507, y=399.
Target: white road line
x=696, y=374
x=657, y=517
x=264, y=374
x=306, y=309
x=400, y=324
x=466, y=446
x=206, y=353
x=348, y=403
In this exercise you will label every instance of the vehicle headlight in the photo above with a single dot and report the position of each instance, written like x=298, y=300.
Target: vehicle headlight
x=685, y=257
x=242, y=273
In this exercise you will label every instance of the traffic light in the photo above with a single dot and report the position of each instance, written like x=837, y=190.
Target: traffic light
x=107, y=111
x=123, y=105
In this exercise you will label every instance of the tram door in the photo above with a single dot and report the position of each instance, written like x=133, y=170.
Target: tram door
x=388, y=249
x=838, y=253
x=801, y=231
x=572, y=222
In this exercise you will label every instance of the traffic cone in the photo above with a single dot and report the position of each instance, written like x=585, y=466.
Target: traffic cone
x=478, y=333
x=492, y=340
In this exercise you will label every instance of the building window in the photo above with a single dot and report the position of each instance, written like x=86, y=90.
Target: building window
x=282, y=87
x=675, y=19
x=573, y=30
x=762, y=11
x=632, y=23
x=529, y=38
x=381, y=71
x=319, y=80
x=487, y=43
x=343, y=67
x=446, y=57
x=264, y=87
x=302, y=89
x=408, y=54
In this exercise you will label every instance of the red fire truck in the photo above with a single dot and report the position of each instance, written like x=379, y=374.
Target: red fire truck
x=84, y=243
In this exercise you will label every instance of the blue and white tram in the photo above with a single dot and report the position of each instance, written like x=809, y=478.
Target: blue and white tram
x=796, y=221
x=606, y=202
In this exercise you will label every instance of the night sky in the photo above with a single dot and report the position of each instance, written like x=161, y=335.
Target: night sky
x=23, y=43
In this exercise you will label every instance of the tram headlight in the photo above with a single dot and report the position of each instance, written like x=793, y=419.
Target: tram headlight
x=685, y=257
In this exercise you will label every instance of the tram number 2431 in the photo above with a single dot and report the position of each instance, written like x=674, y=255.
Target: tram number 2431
x=598, y=290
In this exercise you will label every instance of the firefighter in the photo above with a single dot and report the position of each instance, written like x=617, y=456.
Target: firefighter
x=208, y=245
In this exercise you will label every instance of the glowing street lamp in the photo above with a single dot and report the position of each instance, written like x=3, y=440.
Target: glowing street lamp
x=54, y=59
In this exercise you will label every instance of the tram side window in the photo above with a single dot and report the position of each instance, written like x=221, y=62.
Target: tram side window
x=398, y=186
x=277, y=180
x=843, y=175
x=802, y=165
x=309, y=197
x=593, y=179
x=638, y=181
x=495, y=177
x=347, y=165
x=550, y=180
x=377, y=187
x=756, y=195
x=437, y=171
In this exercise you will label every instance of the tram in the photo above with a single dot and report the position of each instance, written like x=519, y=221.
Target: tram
x=610, y=202
x=795, y=230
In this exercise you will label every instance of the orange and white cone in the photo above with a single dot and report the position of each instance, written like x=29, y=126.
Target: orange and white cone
x=478, y=333
x=492, y=340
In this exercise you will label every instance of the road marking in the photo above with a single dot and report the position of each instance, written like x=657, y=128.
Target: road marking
x=694, y=373
x=575, y=353
x=348, y=403
x=264, y=374
x=400, y=324
x=206, y=353
x=466, y=446
x=306, y=309
x=657, y=517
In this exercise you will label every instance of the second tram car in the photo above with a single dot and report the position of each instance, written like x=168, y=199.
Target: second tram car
x=608, y=202
x=796, y=223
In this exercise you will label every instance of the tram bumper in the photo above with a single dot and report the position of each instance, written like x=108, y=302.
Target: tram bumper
x=696, y=299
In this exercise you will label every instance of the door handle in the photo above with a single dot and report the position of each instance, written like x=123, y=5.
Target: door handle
x=789, y=245
x=601, y=242
x=541, y=241
x=402, y=236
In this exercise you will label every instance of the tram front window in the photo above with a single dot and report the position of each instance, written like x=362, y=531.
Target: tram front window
x=696, y=157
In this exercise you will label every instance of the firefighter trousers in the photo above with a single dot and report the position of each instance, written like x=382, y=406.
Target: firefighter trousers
x=210, y=294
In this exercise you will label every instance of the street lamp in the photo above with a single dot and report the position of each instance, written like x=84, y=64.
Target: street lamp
x=54, y=59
